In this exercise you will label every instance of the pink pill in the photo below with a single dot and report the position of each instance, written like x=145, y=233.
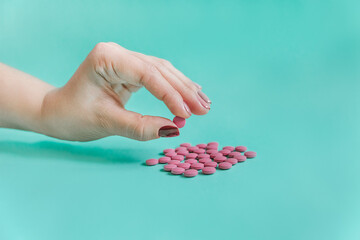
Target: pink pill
x=225, y=152
x=199, y=151
x=205, y=160
x=214, y=155
x=180, y=149
x=168, y=150
x=197, y=166
x=152, y=162
x=210, y=164
x=230, y=148
x=179, y=121
x=233, y=154
x=240, y=148
x=185, y=145
x=170, y=154
x=178, y=157
x=186, y=165
x=175, y=162
x=177, y=171
x=240, y=158
x=190, y=173
x=201, y=145
x=203, y=155
x=233, y=161
x=250, y=154
x=212, y=147
x=184, y=153
x=213, y=143
x=168, y=167
x=191, y=161
x=164, y=160
x=225, y=165
x=192, y=149
x=191, y=155
x=208, y=170
x=219, y=159
x=210, y=151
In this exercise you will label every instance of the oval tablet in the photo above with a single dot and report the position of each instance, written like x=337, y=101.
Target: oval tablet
x=233, y=154
x=233, y=161
x=213, y=144
x=178, y=157
x=224, y=152
x=175, y=162
x=183, y=152
x=208, y=170
x=168, y=150
x=170, y=154
x=164, y=160
x=190, y=173
x=240, y=148
x=230, y=148
x=180, y=149
x=179, y=121
x=240, y=158
x=186, y=165
x=192, y=149
x=168, y=167
x=214, y=147
x=199, y=151
x=201, y=145
x=205, y=160
x=210, y=151
x=210, y=164
x=191, y=161
x=214, y=155
x=185, y=145
x=250, y=154
x=197, y=166
x=191, y=155
x=225, y=165
x=203, y=155
x=219, y=159
x=177, y=171
x=152, y=162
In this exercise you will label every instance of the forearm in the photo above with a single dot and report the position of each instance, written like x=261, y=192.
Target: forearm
x=21, y=98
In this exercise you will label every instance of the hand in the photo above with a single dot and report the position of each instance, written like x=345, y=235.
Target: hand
x=92, y=104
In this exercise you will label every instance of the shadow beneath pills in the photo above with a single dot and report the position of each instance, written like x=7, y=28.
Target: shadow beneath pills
x=55, y=151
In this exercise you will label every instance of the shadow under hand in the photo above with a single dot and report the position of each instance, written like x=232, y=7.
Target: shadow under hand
x=64, y=151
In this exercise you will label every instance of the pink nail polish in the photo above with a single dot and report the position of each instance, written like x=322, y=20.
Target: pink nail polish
x=168, y=131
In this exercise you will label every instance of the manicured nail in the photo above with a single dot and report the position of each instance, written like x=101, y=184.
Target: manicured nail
x=187, y=109
x=204, y=97
x=169, y=131
x=197, y=85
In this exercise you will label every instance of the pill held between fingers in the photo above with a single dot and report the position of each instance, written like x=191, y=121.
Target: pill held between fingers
x=179, y=121
x=225, y=165
x=240, y=158
x=197, y=166
x=250, y=154
x=190, y=173
x=178, y=157
x=203, y=155
x=230, y=148
x=240, y=148
x=185, y=145
x=168, y=150
x=177, y=171
x=168, y=167
x=219, y=159
x=205, y=160
x=175, y=162
x=170, y=154
x=164, y=159
x=152, y=161
x=185, y=165
x=191, y=161
x=233, y=161
x=191, y=155
x=210, y=164
x=208, y=170
x=201, y=145
x=224, y=152
x=199, y=151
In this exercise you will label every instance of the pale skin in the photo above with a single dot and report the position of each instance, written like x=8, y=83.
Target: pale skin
x=91, y=105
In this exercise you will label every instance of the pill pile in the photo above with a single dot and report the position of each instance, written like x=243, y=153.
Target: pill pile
x=188, y=160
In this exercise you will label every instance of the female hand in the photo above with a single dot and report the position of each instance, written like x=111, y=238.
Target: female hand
x=92, y=104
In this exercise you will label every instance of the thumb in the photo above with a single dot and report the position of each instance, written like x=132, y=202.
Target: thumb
x=142, y=127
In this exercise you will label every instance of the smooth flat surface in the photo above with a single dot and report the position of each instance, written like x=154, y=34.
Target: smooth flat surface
x=284, y=80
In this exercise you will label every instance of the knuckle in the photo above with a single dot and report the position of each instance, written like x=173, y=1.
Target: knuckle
x=149, y=74
x=139, y=129
x=165, y=62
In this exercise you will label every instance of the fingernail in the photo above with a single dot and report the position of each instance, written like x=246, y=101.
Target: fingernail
x=197, y=85
x=187, y=109
x=169, y=131
x=204, y=97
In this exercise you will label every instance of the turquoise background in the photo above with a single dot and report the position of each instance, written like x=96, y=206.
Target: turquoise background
x=284, y=80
